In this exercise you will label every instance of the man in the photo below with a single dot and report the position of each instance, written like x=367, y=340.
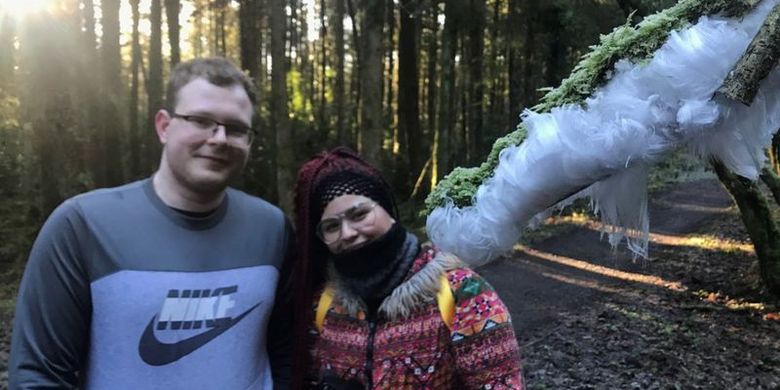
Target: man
x=167, y=282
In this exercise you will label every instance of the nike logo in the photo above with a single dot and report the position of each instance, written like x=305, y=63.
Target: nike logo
x=157, y=353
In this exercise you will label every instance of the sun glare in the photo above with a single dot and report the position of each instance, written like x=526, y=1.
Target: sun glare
x=18, y=9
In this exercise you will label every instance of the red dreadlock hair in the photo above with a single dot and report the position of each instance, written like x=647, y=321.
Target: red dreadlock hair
x=310, y=268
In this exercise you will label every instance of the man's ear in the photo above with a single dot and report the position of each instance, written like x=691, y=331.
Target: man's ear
x=161, y=121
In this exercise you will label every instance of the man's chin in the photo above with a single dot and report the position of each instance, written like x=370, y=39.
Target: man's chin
x=210, y=182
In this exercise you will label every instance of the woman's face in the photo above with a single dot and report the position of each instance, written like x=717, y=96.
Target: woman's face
x=352, y=220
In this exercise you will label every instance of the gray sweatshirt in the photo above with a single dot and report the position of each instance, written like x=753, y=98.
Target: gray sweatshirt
x=122, y=292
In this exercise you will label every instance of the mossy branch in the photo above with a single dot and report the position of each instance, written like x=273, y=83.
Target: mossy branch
x=759, y=59
x=637, y=43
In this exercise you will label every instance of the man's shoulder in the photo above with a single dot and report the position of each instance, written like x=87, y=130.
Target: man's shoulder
x=253, y=203
x=108, y=194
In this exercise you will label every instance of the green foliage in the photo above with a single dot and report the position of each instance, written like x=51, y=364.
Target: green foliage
x=637, y=43
x=461, y=184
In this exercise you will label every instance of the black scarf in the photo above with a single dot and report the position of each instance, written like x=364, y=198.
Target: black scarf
x=373, y=270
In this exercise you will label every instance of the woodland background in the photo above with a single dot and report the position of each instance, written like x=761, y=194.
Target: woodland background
x=417, y=86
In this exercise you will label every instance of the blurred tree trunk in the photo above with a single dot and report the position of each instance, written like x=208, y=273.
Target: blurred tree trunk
x=220, y=34
x=475, y=63
x=51, y=101
x=371, y=71
x=390, y=69
x=154, y=82
x=93, y=118
x=339, y=102
x=529, y=58
x=431, y=74
x=496, y=87
x=446, y=110
x=199, y=30
x=112, y=123
x=7, y=32
x=249, y=37
x=281, y=153
x=355, y=88
x=775, y=148
x=556, y=52
x=515, y=25
x=757, y=217
x=322, y=111
x=410, y=135
x=772, y=180
x=172, y=8
x=135, y=68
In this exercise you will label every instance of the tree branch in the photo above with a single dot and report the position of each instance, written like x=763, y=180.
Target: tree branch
x=761, y=57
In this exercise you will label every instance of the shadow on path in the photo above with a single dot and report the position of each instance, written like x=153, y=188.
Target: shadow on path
x=569, y=271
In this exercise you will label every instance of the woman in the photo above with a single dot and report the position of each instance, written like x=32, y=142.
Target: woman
x=379, y=310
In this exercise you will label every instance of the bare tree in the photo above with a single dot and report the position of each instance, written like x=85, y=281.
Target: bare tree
x=154, y=82
x=280, y=124
x=410, y=135
x=135, y=68
x=372, y=129
x=475, y=62
x=339, y=102
x=111, y=86
x=172, y=8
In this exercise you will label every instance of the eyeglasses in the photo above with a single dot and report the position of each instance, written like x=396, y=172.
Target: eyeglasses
x=358, y=217
x=234, y=132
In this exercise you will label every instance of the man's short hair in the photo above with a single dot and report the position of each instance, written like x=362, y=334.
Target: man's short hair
x=219, y=71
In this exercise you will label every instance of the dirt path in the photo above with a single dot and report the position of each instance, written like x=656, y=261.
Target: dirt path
x=592, y=318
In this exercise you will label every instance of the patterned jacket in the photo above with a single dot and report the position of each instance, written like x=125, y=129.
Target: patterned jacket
x=409, y=346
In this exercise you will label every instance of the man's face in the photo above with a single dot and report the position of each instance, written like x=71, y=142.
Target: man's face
x=203, y=161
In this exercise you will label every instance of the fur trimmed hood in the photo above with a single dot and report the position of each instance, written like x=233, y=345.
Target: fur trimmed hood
x=415, y=292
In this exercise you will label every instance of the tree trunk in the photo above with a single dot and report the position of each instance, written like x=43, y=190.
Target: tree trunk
x=7, y=48
x=556, y=52
x=475, y=63
x=322, y=112
x=515, y=26
x=757, y=217
x=249, y=40
x=281, y=154
x=339, y=102
x=760, y=58
x=497, y=87
x=135, y=68
x=446, y=112
x=529, y=59
x=154, y=82
x=772, y=180
x=371, y=71
x=410, y=136
x=172, y=8
x=390, y=69
x=431, y=71
x=220, y=27
x=355, y=87
x=111, y=124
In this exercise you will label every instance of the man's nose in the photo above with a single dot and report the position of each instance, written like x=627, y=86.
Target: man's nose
x=219, y=134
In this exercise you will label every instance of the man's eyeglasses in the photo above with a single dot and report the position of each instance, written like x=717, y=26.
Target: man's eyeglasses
x=358, y=217
x=235, y=132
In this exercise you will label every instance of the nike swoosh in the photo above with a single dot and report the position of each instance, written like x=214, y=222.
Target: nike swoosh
x=156, y=353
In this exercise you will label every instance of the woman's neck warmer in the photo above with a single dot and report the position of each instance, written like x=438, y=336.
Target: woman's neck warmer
x=373, y=270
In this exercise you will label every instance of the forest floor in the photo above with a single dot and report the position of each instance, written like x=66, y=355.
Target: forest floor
x=692, y=316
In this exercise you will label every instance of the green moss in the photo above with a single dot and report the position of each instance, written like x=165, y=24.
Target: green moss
x=637, y=43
